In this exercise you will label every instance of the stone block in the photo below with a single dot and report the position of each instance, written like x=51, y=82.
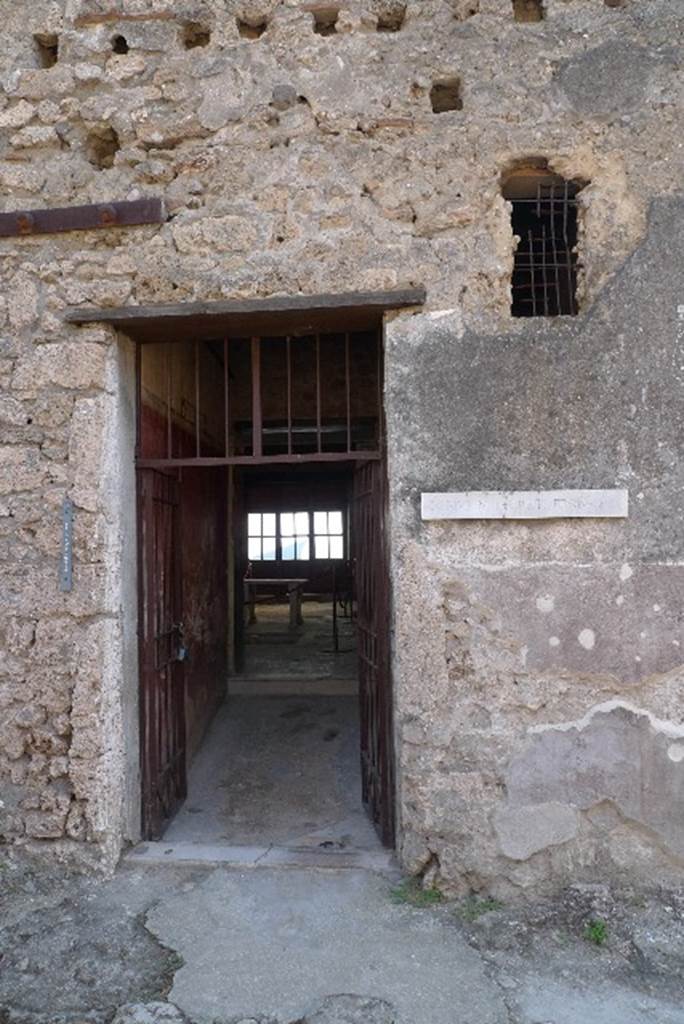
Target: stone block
x=68, y=364
x=21, y=469
x=555, y=504
x=523, y=831
x=45, y=824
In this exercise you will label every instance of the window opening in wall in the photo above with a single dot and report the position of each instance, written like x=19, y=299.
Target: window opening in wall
x=325, y=20
x=328, y=530
x=293, y=536
x=195, y=34
x=392, y=19
x=261, y=536
x=544, y=219
x=120, y=44
x=528, y=10
x=47, y=48
x=251, y=29
x=445, y=95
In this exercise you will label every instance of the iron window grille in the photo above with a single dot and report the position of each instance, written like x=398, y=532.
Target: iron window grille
x=544, y=279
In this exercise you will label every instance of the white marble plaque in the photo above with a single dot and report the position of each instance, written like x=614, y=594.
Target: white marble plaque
x=571, y=504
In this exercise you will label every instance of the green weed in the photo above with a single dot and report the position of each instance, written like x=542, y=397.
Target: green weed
x=412, y=892
x=596, y=931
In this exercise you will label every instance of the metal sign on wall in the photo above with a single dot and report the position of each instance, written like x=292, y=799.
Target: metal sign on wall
x=67, y=552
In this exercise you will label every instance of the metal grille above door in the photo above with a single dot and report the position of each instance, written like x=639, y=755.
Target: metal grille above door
x=275, y=399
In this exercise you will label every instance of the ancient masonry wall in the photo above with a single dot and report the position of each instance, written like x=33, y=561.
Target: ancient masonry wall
x=294, y=158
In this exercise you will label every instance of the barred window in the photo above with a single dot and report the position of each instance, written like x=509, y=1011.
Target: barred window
x=544, y=221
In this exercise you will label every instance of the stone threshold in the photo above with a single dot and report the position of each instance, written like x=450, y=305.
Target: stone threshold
x=225, y=855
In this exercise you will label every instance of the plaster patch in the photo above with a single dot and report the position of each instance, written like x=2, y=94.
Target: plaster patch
x=587, y=639
x=675, y=732
x=437, y=314
x=554, y=641
x=522, y=831
x=626, y=572
x=676, y=752
x=546, y=603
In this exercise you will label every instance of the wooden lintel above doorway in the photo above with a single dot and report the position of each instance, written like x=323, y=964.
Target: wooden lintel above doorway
x=239, y=318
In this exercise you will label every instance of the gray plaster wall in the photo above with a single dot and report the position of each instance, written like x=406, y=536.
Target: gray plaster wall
x=539, y=664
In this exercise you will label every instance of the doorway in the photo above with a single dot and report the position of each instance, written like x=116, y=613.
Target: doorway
x=266, y=711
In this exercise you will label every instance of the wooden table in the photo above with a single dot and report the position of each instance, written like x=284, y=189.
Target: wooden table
x=293, y=588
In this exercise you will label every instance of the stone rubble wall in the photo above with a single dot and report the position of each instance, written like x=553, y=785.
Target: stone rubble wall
x=289, y=162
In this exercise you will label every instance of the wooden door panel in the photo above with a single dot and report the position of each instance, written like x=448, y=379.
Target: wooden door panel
x=162, y=704
x=371, y=586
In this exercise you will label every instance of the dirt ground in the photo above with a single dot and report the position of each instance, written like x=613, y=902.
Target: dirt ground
x=216, y=945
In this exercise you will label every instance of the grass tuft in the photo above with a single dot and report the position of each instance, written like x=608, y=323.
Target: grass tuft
x=596, y=931
x=411, y=891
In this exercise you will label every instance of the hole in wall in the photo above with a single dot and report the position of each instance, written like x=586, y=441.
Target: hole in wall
x=325, y=20
x=251, y=29
x=445, y=95
x=47, y=48
x=195, y=34
x=462, y=11
x=120, y=44
x=102, y=145
x=528, y=10
x=615, y=3
x=392, y=18
x=544, y=217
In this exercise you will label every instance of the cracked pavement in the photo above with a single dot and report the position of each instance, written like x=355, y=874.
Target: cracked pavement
x=218, y=945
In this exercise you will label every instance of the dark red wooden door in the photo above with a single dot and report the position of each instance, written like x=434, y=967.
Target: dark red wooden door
x=371, y=585
x=162, y=711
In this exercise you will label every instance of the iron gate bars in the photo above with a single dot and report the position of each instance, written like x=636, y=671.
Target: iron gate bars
x=275, y=399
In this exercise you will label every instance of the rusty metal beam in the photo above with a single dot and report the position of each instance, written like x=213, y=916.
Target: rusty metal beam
x=57, y=219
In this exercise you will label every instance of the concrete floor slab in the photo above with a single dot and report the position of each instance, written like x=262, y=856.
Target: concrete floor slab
x=272, y=651
x=278, y=771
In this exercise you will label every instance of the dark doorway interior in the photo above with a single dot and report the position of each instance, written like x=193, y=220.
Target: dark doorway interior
x=265, y=652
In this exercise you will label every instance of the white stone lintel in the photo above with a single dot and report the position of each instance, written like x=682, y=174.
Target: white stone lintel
x=568, y=504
